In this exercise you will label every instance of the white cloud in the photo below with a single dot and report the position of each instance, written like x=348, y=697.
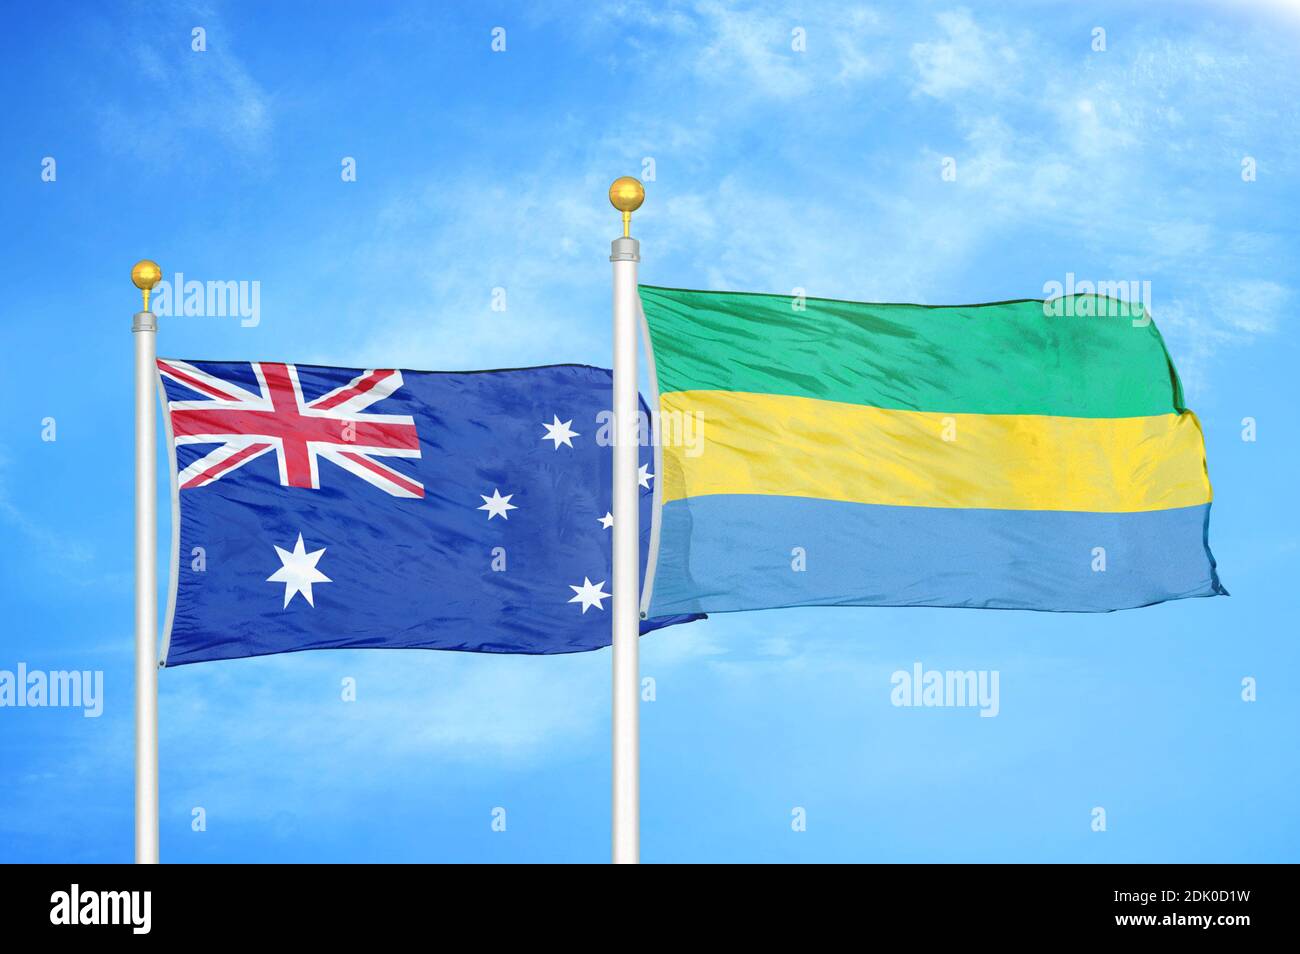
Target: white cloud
x=231, y=730
x=966, y=58
x=539, y=241
x=1208, y=317
x=194, y=100
x=746, y=50
x=1063, y=145
x=59, y=552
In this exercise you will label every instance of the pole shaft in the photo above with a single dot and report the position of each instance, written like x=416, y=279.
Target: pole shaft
x=146, y=593
x=626, y=584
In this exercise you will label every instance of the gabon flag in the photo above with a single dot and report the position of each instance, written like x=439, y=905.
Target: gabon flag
x=1014, y=455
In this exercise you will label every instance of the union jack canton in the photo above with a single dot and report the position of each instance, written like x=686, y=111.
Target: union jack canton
x=278, y=418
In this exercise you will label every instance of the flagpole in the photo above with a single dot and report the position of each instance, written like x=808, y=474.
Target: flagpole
x=626, y=195
x=145, y=275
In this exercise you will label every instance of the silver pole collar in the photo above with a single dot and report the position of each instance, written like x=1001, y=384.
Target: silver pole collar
x=625, y=250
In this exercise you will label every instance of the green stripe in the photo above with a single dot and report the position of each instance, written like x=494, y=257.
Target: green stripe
x=1003, y=358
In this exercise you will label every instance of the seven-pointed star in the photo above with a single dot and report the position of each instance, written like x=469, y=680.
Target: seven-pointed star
x=643, y=476
x=589, y=594
x=298, y=572
x=559, y=432
x=606, y=521
x=496, y=505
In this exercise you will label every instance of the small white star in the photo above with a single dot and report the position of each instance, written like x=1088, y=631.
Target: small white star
x=496, y=505
x=298, y=572
x=606, y=521
x=643, y=476
x=589, y=594
x=559, y=432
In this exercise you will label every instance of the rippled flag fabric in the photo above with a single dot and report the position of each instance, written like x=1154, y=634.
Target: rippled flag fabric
x=320, y=507
x=1009, y=455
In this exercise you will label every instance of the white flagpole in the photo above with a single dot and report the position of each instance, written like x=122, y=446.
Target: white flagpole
x=626, y=195
x=144, y=329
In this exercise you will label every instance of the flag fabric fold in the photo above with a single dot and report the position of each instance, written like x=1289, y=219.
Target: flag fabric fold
x=318, y=507
x=998, y=456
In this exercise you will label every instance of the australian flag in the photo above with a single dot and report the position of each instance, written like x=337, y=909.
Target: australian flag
x=320, y=508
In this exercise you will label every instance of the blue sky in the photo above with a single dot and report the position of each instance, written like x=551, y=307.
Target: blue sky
x=774, y=169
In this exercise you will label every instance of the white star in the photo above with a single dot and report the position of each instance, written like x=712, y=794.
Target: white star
x=606, y=521
x=559, y=432
x=298, y=572
x=589, y=594
x=496, y=505
x=643, y=476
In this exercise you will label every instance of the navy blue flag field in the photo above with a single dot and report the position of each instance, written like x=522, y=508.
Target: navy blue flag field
x=319, y=508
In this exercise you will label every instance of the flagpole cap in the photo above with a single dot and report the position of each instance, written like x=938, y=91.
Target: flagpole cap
x=145, y=274
x=626, y=194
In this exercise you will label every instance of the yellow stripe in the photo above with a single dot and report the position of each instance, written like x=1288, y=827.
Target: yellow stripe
x=729, y=442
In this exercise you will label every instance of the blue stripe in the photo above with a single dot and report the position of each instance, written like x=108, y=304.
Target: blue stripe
x=738, y=552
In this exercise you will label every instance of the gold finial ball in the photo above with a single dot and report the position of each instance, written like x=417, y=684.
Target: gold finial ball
x=626, y=194
x=145, y=274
